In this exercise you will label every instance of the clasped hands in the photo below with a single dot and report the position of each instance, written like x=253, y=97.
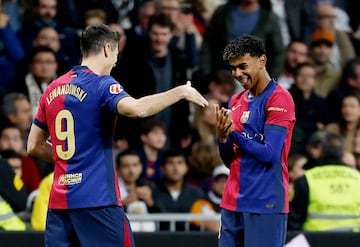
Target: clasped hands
x=224, y=124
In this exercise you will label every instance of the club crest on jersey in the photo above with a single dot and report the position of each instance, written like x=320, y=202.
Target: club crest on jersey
x=245, y=116
x=115, y=89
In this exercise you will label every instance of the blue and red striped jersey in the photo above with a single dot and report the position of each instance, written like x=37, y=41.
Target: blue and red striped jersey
x=257, y=151
x=79, y=111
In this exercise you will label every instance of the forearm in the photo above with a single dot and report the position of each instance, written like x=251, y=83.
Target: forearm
x=226, y=152
x=38, y=146
x=267, y=151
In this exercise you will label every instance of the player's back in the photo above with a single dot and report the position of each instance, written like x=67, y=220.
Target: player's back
x=79, y=109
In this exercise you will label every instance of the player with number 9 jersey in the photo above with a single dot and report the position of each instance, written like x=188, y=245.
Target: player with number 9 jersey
x=70, y=105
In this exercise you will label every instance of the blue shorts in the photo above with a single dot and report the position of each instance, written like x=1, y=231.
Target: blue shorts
x=252, y=230
x=103, y=226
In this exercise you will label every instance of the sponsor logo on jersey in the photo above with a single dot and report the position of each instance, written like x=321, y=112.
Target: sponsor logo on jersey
x=257, y=136
x=70, y=179
x=115, y=89
x=275, y=108
x=245, y=116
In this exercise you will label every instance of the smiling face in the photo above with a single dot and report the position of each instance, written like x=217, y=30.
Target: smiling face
x=246, y=69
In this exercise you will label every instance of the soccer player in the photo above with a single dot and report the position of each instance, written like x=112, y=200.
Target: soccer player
x=77, y=111
x=254, y=140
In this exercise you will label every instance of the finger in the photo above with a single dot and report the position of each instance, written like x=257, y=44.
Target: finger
x=217, y=112
x=188, y=83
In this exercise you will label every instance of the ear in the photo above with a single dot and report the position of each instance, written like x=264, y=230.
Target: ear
x=107, y=49
x=262, y=61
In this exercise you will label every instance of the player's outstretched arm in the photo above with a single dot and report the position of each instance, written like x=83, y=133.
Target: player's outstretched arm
x=152, y=104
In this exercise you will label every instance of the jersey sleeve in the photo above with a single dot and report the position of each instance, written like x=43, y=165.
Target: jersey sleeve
x=111, y=92
x=40, y=118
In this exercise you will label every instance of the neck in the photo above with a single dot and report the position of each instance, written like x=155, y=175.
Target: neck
x=96, y=65
x=174, y=186
x=249, y=6
x=307, y=95
x=151, y=153
x=159, y=53
x=262, y=83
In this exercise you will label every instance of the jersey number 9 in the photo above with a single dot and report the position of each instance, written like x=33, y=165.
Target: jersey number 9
x=64, y=130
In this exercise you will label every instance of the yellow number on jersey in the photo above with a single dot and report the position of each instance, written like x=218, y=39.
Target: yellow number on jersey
x=64, y=130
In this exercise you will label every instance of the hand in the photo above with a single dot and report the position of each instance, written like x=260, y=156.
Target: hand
x=224, y=124
x=192, y=95
x=144, y=193
x=4, y=19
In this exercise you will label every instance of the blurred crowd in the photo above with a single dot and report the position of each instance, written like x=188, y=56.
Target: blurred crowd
x=170, y=163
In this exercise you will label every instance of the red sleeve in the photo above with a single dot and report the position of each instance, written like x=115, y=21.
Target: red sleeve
x=30, y=174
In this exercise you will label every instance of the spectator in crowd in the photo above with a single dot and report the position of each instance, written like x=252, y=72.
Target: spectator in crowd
x=43, y=14
x=42, y=71
x=349, y=83
x=41, y=201
x=327, y=197
x=311, y=110
x=342, y=48
x=211, y=204
x=153, y=138
x=203, y=158
x=94, y=16
x=11, y=53
x=314, y=149
x=173, y=194
x=48, y=36
x=220, y=84
x=296, y=19
x=350, y=119
x=133, y=188
x=10, y=140
x=238, y=17
x=296, y=163
x=296, y=53
x=136, y=192
x=16, y=109
x=327, y=76
x=162, y=67
x=13, y=197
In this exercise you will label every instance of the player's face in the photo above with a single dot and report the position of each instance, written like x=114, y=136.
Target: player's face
x=130, y=168
x=175, y=169
x=246, y=69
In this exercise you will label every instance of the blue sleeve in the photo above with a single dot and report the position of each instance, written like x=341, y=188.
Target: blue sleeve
x=13, y=48
x=269, y=151
x=226, y=152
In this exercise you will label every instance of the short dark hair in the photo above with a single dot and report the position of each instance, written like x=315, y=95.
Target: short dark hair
x=245, y=44
x=333, y=147
x=40, y=49
x=171, y=153
x=162, y=20
x=123, y=154
x=149, y=124
x=95, y=37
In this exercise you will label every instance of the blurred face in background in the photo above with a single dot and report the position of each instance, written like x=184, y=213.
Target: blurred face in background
x=325, y=16
x=156, y=138
x=49, y=37
x=129, y=168
x=321, y=53
x=350, y=109
x=46, y=10
x=296, y=54
x=23, y=117
x=171, y=8
x=174, y=169
x=218, y=184
x=305, y=78
x=10, y=138
x=44, y=66
x=160, y=39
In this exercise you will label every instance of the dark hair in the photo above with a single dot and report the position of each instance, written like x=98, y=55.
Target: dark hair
x=302, y=65
x=245, y=44
x=39, y=49
x=95, y=37
x=333, y=147
x=171, y=153
x=149, y=124
x=123, y=154
x=162, y=20
x=293, y=41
